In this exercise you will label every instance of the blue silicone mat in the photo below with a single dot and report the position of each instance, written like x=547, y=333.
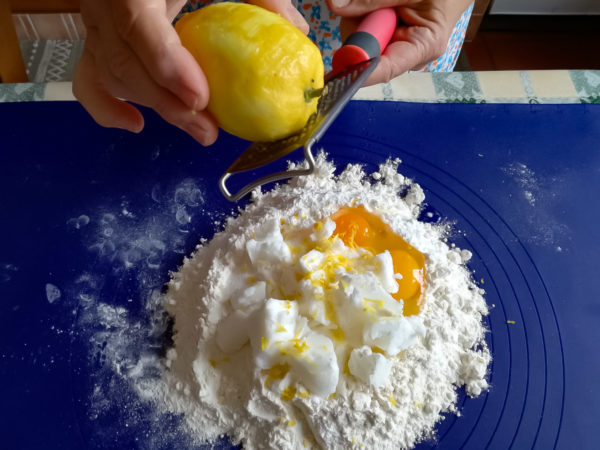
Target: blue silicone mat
x=90, y=216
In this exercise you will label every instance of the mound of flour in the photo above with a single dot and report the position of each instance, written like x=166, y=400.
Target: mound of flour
x=220, y=395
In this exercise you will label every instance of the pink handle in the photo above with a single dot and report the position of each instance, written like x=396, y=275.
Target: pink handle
x=368, y=41
x=380, y=24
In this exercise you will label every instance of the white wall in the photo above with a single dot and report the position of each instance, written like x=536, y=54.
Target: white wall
x=545, y=7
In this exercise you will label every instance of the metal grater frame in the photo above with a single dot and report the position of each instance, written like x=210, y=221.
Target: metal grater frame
x=338, y=90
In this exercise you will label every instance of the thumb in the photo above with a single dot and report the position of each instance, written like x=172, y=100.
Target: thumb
x=352, y=8
x=287, y=10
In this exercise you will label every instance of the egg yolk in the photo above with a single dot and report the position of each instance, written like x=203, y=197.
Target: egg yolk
x=357, y=227
x=409, y=287
x=353, y=229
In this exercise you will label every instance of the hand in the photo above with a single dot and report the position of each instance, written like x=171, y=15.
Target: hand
x=133, y=53
x=425, y=26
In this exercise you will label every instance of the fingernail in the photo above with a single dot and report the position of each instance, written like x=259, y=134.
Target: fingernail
x=199, y=133
x=191, y=100
x=296, y=18
x=340, y=3
x=136, y=127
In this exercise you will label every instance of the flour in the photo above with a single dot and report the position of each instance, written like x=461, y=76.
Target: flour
x=52, y=293
x=540, y=225
x=221, y=393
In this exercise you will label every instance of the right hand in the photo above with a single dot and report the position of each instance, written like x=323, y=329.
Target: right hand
x=424, y=27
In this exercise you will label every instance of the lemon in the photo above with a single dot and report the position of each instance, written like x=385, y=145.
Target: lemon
x=262, y=72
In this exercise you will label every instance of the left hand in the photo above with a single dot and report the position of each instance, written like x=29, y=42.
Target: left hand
x=132, y=52
x=424, y=28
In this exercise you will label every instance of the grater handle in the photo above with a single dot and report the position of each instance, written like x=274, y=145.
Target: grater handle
x=368, y=41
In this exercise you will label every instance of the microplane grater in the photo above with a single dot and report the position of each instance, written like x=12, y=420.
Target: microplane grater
x=337, y=91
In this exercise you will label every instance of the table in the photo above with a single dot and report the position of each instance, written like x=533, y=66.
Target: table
x=520, y=181
x=555, y=86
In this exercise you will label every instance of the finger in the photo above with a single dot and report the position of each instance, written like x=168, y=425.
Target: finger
x=204, y=129
x=287, y=10
x=399, y=57
x=199, y=124
x=145, y=91
x=125, y=77
x=144, y=26
x=174, y=8
x=353, y=8
x=104, y=108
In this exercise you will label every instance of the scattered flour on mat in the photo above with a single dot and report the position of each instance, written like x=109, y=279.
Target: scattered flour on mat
x=122, y=326
x=226, y=394
x=525, y=178
x=539, y=225
x=52, y=293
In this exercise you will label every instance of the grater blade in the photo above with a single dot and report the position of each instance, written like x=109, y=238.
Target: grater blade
x=337, y=91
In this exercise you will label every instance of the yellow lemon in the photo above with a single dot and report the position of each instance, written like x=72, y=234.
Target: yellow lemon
x=261, y=70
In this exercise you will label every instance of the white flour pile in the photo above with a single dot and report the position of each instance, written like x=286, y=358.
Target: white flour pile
x=249, y=363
